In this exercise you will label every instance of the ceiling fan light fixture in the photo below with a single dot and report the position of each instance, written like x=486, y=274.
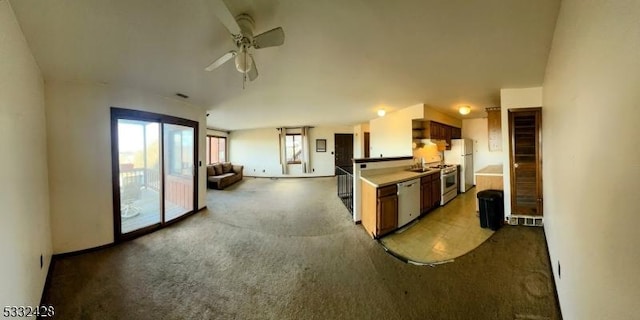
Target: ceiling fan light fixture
x=464, y=110
x=243, y=62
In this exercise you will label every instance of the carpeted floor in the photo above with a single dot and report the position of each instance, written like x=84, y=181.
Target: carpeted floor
x=287, y=249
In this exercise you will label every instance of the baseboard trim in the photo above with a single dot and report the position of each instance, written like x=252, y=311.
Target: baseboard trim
x=287, y=177
x=47, y=281
x=109, y=245
x=555, y=289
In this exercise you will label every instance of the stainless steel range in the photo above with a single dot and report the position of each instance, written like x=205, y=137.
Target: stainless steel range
x=449, y=181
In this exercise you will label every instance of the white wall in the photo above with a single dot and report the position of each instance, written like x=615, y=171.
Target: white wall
x=477, y=130
x=258, y=151
x=391, y=134
x=591, y=153
x=512, y=99
x=24, y=196
x=79, y=140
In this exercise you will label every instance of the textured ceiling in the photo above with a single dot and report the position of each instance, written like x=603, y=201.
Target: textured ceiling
x=341, y=61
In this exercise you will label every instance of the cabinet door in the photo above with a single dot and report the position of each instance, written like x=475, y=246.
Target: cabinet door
x=447, y=136
x=494, y=126
x=435, y=192
x=387, y=214
x=425, y=195
x=456, y=133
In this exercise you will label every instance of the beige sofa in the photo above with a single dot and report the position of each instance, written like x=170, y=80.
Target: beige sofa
x=222, y=175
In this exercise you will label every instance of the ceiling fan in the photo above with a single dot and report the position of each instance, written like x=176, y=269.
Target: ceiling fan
x=241, y=30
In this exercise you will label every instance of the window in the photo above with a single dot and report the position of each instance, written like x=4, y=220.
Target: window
x=216, y=149
x=293, y=151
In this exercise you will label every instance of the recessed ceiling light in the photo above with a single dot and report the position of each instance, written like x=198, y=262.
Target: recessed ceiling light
x=381, y=113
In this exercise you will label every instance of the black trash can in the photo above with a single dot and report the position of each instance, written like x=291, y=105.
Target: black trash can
x=491, y=208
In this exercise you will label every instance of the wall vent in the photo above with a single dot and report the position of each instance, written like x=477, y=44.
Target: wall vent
x=525, y=221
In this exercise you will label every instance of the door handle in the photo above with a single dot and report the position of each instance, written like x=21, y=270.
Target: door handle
x=516, y=165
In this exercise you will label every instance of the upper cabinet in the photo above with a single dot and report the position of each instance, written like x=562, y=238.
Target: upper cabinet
x=435, y=131
x=495, y=129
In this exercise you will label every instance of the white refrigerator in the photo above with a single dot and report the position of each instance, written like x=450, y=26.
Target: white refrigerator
x=461, y=153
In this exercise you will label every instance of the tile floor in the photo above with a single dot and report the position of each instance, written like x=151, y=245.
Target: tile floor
x=442, y=234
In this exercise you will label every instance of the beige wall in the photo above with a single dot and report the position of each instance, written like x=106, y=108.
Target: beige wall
x=437, y=116
x=358, y=140
x=391, y=134
x=258, y=151
x=477, y=130
x=24, y=195
x=513, y=99
x=79, y=140
x=591, y=153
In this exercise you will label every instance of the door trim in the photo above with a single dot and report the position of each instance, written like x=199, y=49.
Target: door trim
x=121, y=113
x=512, y=186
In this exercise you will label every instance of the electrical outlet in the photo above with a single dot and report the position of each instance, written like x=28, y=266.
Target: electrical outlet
x=559, y=271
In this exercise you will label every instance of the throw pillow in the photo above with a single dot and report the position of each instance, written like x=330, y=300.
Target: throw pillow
x=211, y=171
x=218, y=168
x=227, y=167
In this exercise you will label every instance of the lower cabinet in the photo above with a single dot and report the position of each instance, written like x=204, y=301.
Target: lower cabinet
x=387, y=214
x=429, y=192
x=379, y=209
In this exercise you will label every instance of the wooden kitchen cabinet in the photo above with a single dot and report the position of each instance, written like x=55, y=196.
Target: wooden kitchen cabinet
x=379, y=209
x=456, y=133
x=494, y=126
x=387, y=214
x=435, y=191
x=429, y=192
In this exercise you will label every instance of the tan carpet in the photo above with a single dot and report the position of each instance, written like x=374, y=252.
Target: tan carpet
x=287, y=249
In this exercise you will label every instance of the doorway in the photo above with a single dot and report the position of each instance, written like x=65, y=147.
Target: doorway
x=525, y=155
x=154, y=170
x=367, y=144
x=343, y=150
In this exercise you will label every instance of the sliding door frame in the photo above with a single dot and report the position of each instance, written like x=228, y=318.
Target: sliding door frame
x=128, y=114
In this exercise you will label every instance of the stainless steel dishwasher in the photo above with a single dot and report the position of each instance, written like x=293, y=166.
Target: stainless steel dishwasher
x=408, y=201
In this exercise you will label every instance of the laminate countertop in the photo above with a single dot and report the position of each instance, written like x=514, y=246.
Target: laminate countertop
x=385, y=179
x=493, y=170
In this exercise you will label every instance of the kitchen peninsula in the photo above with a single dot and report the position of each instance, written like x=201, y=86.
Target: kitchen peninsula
x=393, y=197
x=489, y=177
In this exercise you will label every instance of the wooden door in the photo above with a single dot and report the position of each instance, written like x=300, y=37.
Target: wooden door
x=525, y=156
x=343, y=149
x=367, y=144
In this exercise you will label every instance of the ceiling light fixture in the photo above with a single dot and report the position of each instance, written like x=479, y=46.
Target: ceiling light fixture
x=381, y=113
x=243, y=61
x=464, y=110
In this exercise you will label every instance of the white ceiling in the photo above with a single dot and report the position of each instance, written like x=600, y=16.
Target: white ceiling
x=341, y=60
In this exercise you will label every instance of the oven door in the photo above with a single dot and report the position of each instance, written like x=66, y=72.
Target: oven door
x=449, y=182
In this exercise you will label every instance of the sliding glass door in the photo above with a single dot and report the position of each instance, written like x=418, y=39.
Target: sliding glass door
x=179, y=170
x=139, y=177
x=154, y=170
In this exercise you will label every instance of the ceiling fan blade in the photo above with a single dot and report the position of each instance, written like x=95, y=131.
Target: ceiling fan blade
x=253, y=72
x=222, y=12
x=271, y=38
x=220, y=61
